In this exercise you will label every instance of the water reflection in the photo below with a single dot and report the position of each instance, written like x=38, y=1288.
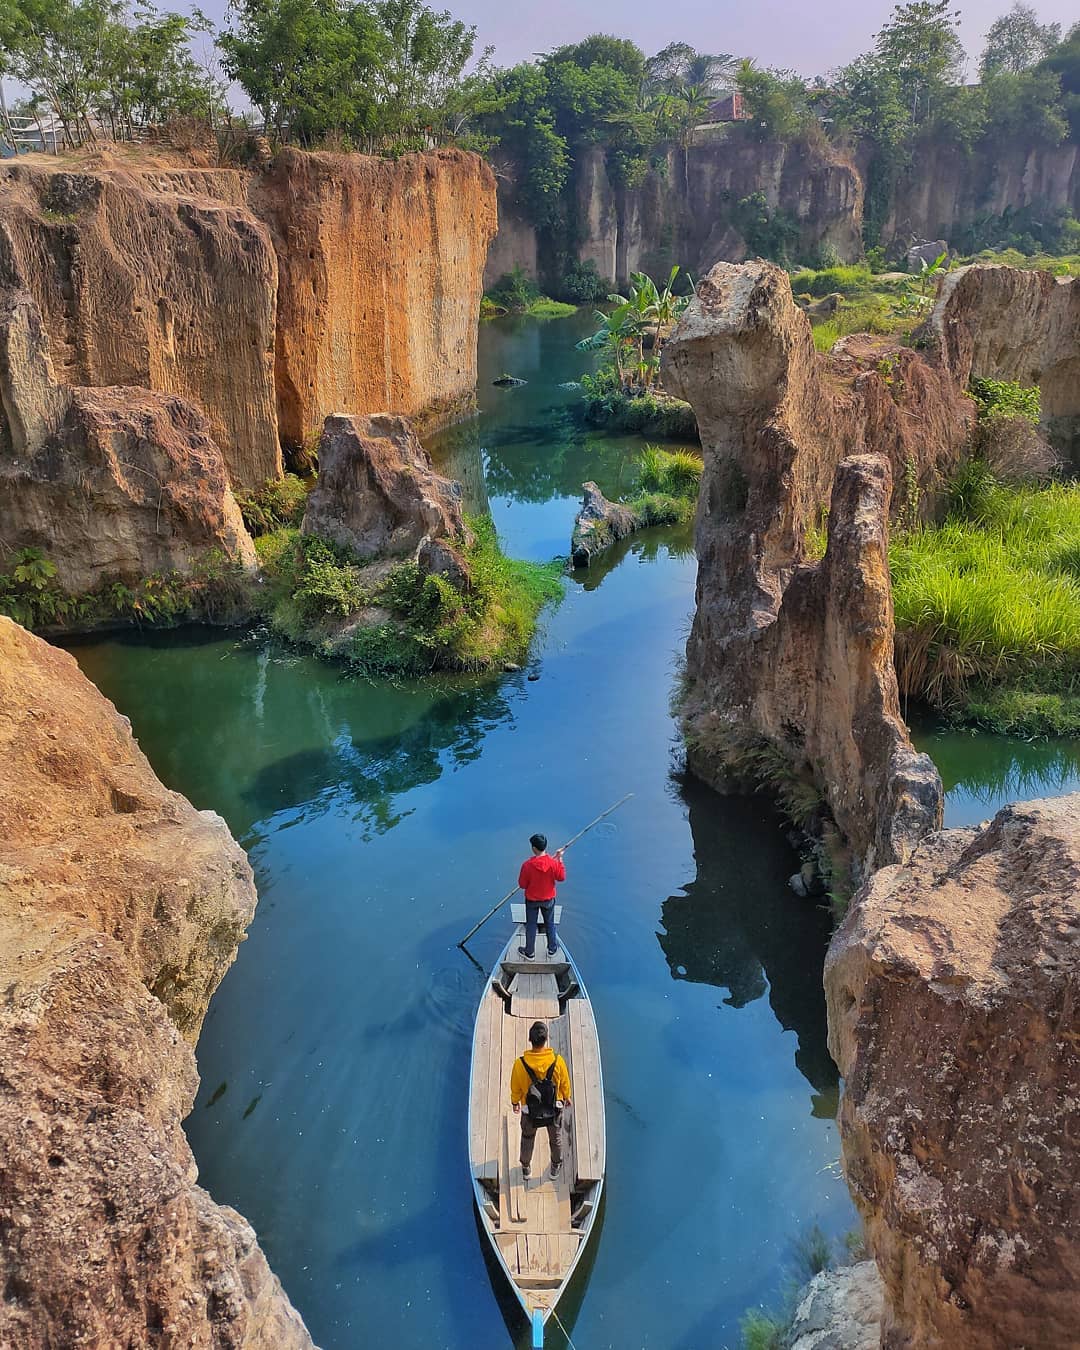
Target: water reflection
x=739, y=926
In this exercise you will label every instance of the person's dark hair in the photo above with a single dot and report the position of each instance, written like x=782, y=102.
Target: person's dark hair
x=538, y=841
x=538, y=1035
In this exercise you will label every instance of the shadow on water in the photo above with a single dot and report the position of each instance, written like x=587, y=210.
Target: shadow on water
x=740, y=927
x=676, y=541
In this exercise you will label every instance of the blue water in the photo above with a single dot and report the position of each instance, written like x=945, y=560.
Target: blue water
x=382, y=820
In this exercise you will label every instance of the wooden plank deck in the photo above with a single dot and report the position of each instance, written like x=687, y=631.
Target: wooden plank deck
x=534, y=994
x=586, y=1086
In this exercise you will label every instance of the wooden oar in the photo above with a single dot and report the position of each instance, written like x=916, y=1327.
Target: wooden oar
x=510, y=894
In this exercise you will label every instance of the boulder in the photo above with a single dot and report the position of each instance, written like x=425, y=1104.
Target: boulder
x=121, y=907
x=598, y=525
x=436, y=557
x=953, y=1018
x=783, y=648
x=377, y=493
x=111, y=483
x=928, y=252
x=1001, y=323
x=839, y=1310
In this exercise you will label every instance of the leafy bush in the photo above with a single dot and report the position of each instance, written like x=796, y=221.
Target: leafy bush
x=515, y=291
x=769, y=231
x=762, y=1331
x=279, y=502
x=650, y=414
x=582, y=284
x=1006, y=397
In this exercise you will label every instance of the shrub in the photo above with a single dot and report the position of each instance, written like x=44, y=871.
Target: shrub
x=762, y=1331
x=279, y=502
x=515, y=291
x=996, y=398
x=327, y=582
x=582, y=284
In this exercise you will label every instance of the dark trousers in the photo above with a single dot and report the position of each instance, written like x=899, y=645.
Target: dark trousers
x=535, y=910
x=528, y=1138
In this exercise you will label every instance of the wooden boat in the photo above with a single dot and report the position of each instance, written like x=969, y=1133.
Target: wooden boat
x=537, y=1227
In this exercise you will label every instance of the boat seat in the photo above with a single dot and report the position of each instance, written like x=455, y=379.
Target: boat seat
x=588, y=1097
x=534, y=994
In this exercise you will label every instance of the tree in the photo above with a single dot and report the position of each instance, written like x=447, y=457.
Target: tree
x=1017, y=41
x=600, y=49
x=776, y=101
x=920, y=43
x=1064, y=62
x=679, y=67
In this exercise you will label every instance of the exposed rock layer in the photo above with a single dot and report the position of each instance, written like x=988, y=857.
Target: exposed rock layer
x=377, y=493
x=1001, y=323
x=953, y=1018
x=796, y=651
x=839, y=1310
x=327, y=283
x=120, y=910
x=381, y=267
x=111, y=483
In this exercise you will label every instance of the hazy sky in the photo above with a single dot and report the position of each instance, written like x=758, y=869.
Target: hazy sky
x=790, y=34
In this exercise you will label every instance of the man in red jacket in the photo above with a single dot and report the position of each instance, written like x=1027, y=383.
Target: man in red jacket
x=537, y=878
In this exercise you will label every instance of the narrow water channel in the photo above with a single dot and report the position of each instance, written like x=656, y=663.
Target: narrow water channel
x=383, y=819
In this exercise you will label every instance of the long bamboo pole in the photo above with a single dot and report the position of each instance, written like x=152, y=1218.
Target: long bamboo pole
x=510, y=894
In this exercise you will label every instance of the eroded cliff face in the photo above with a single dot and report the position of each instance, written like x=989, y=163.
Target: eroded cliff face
x=153, y=280
x=120, y=910
x=953, y=1018
x=1001, y=323
x=686, y=211
x=326, y=283
x=113, y=484
x=783, y=648
x=381, y=266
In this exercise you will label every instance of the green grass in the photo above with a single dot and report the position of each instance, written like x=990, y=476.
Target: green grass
x=546, y=308
x=853, y=282
x=990, y=600
x=648, y=414
x=314, y=588
x=1062, y=264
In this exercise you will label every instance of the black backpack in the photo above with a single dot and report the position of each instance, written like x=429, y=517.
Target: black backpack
x=540, y=1097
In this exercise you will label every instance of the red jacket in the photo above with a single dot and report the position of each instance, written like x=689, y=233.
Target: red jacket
x=539, y=874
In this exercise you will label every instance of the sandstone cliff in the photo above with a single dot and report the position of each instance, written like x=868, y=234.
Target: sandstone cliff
x=1000, y=323
x=381, y=266
x=328, y=283
x=783, y=648
x=112, y=483
x=120, y=910
x=953, y=1018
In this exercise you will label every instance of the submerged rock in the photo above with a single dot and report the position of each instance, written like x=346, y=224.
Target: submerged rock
x=508, y=382
x=953, y=1018
x=784, y=649
x=111, y=483
x=598, y=525
x=377, y=493
x=121, y=907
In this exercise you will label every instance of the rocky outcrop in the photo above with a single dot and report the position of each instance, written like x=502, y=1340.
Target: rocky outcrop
x=269, y=299
x=113, y=484
x=839, y=1310
x=598, y=525
x=377, y=493
x=162, y=281
x=1001, y=323
x=953, y=1018
x=120, y=910
x=381, y=265
x=783, y=648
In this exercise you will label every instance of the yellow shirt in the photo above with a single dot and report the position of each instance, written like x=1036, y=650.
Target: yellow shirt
x=539, y=1061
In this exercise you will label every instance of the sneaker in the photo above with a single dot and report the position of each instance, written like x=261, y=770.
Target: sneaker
x=552, y=951
x=556, y=1168
x=527, y=956
x=526, y=1170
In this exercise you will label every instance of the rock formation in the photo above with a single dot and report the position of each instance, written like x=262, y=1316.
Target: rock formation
x=1001, y=323
x=153, y=281
x=598, y=525
x=322, y=283
x=380, y=265
x=377, y=493
x=789, y=650
x=839, y=1310
x=120, y=910
x=112, y=483
x=953, y=1018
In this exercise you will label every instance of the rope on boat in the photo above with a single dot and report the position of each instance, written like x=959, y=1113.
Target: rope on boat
x=564, y=1331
